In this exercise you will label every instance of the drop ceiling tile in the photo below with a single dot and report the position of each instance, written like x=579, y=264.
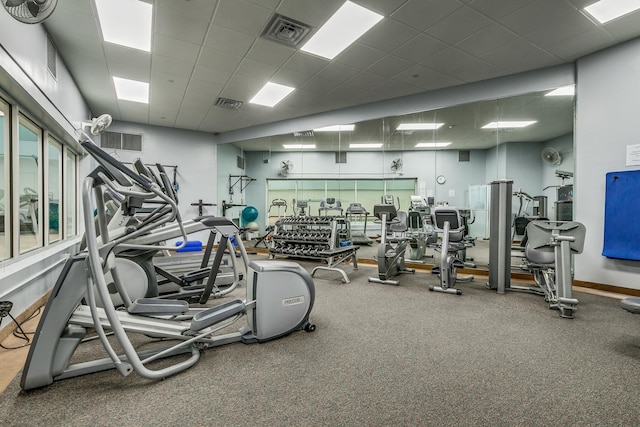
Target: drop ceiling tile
x=365, y=80
x=318, y=85
x=458, y=25
x=448, y=60
x=179, y=26
x=346, y=92
x=425, y=78
x=166, y=95
x=311, y=12
x=582, y=44
x=270, y=52
x=305, y=63
x=241, y=88
x=389, y=66
x=242, y=16
x=229, y=41
x=210, y=75
x=174, y=48
x=169, y=81
x=219, y=60
x=624, y=28
x=133, y=111
x=520, y=55
x=476, y=71
x=255, y=69
x=383, y=7
x=289, y=77
x=535, y=15
x=498, y=9
x=271, y=4
x=486, y=40
x=201, y=10
x=121, y=58
x=359, y=56
x=395, y=88
x=337, y=72
x=552, y=33
x=388, y=35
x=173, y=66
x=420, y=48
x=423, y=14
x=202, y=90
x=190, y=115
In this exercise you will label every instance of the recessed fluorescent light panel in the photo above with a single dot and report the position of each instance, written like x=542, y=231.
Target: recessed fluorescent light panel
x=299, y=146
x=345, y=26
x=131, y=90
x=336, y=128
x=569, y=90
x=432, y=144
x=369, y=145
x=419, y=126
x=508, y=124
x=607, y=10
x=271, y=94
x=126, y=22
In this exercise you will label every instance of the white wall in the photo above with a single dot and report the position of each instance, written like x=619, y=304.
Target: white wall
x=55, y=104
x=608, y=90
x=195, y=155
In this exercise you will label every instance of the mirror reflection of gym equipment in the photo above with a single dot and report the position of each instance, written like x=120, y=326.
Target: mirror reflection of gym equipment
x=391, y=249
x=448, y=222
x=356, y=212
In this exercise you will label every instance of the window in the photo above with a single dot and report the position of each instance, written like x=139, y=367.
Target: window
x=28, y=190
x=54, y=189
x=69, y=205
x=5, y=248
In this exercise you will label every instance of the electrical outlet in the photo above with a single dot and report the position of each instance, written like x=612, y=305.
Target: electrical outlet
x=5, y=308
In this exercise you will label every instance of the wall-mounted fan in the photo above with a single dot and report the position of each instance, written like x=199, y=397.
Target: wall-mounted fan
x=396, y=165
x=286, y=166
x=30, y=11
x=551, y=156
x=99, y=124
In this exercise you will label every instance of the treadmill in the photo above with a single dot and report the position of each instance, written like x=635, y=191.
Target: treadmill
x=358, y=237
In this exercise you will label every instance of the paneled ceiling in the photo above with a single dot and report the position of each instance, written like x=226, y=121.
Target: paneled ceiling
x=206, y=49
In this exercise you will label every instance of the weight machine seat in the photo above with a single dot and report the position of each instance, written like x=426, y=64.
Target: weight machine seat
x=632, y=305
x=540, y=246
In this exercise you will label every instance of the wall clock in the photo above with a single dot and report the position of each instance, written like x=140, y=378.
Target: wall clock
x=441, y=179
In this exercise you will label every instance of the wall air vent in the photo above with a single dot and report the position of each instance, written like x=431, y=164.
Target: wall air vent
x=286, y=31
x=230, y=104
x=121, y=141
x=52, y=58
x=464, y=156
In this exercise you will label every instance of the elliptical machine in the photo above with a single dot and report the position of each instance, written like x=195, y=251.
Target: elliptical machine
x=279, y=299
x=447, y=221
x=390, y=249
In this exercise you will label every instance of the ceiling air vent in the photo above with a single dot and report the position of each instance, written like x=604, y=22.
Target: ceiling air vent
x=286, y=30
x=231, y=104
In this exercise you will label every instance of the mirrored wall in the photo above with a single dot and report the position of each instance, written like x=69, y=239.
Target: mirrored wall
x=443, y=157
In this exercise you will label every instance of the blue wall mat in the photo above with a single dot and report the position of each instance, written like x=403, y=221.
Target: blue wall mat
x=621, y=213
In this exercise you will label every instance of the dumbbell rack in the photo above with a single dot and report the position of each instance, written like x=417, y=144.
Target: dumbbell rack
x=314, y=237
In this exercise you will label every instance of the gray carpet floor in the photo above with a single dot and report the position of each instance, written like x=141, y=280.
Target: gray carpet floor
x=382, y=355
